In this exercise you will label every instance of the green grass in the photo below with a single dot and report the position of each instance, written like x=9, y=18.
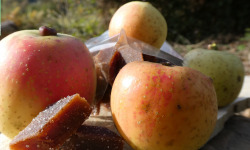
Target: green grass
x=82, y=19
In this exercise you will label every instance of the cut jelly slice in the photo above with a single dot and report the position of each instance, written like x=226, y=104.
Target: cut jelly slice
x=53, y=126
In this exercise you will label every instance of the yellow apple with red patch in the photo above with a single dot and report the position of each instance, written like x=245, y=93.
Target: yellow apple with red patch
x=140, y=20
x=37, y=68
x=164, y=108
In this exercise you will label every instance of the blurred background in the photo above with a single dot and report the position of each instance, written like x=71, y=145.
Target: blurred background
x=222, y=25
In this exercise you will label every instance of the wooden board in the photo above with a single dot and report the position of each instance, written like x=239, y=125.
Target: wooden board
x=225, y=113
x=234, y=136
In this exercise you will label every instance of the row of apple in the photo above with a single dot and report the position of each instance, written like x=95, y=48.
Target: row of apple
x=153, y=106
x=144, y=22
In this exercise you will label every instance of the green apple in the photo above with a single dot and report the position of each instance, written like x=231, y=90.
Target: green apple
x=226, y=70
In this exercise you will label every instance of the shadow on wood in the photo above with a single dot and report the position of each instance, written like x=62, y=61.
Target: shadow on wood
x=234, y=136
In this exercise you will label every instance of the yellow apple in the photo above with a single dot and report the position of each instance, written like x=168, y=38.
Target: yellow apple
x=140, y=20
x=156, y=107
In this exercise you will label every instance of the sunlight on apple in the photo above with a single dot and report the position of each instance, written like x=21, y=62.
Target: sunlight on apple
x=127, y=82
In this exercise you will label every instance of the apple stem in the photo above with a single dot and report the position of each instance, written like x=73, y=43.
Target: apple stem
x=47, y=31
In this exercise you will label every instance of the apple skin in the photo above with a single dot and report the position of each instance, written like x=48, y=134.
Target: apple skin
x=164, y=108
x=36, y=71
x=226, y=70
x=140, y=20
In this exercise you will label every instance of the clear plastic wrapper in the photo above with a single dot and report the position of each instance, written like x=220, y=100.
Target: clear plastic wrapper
x=110, y=54
x=104, y=41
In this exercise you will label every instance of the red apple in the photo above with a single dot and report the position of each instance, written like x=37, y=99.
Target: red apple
x=163, y=108
x=36, y=70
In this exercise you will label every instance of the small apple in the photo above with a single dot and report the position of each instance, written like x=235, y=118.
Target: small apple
x=226, y=70
x=140, y=20
x=156, y=107
x=37, y=68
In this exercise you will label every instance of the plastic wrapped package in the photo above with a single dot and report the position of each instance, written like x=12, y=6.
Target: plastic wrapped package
x=104, y=40
x=110, y=54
